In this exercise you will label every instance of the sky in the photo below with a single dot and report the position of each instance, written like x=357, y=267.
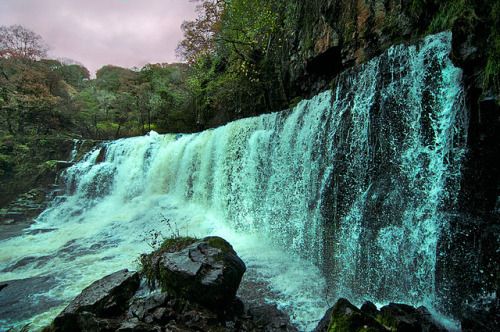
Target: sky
x=125, y=33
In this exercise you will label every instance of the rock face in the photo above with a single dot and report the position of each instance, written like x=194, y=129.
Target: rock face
x=208, y=271
x=344, y=316
x=27, y=206
x=104, y=298
x=482, y=315
x=343, y=34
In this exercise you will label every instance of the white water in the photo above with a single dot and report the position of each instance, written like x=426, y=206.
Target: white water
x=292, y=191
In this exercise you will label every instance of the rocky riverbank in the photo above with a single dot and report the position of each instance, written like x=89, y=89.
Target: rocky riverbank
x=190, y=285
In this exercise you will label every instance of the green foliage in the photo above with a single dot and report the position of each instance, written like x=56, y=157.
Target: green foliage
x=115, y=79
x=492, y=69
x=450, y=12
x=469, y=17
x=23, y=162
x=75, y=75
x=243, y=73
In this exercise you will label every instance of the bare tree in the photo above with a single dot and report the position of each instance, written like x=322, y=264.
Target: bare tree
x=17, y=41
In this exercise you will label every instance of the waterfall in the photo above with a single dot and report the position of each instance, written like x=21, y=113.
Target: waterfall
x=343, y=195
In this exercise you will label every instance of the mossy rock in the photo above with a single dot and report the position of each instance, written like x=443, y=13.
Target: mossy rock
x=346, y=317
x=399, y=317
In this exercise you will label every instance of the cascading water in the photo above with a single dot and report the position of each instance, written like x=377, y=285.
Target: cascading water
x=356, y=181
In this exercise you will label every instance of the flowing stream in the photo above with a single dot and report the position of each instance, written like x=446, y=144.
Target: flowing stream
x=342, y=196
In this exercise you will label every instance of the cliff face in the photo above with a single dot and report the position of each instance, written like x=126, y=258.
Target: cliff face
x=338, y=34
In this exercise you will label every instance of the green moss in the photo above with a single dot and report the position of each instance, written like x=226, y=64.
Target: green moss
x=346, y=317
x=452, y=11
x=492, y=69
x=175, y=244
x=50, y=164
x=220, y=243
x=387, y=320
x=295, y=101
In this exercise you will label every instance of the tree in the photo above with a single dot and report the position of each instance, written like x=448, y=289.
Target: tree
x=28, y=102
x=75, y=75
x=200, y=34
x=115, y=79
x=16, y=41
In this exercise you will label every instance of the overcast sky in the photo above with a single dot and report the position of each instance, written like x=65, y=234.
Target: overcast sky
x=125, y=33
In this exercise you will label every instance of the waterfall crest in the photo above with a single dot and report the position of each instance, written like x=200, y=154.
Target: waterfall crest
x=358, y=180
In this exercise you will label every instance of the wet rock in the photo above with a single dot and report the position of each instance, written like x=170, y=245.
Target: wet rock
x=370, y=309
x=324, y=322
x=141, y=307
x=403, y=317
x=482, y=315
x=269, y=318
x=393, y=317
x=208, y=271
x=16, y=298
x=344, y=316
x=26, y=207
x=136, y=325
x=429, y=322
x=400, y=316
x=104, y=298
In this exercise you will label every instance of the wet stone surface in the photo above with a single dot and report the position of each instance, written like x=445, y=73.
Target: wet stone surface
x=23, y=298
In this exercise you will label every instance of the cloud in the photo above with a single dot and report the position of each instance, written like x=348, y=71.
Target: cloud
x=125, y=33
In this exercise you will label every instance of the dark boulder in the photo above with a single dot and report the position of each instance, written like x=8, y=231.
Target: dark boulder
x=267, y=317
x=346, y=317
x=104, y=298
x=482, y=315
x=208, y=272
x=370, y=309
x=402, y=317
x=429, y=322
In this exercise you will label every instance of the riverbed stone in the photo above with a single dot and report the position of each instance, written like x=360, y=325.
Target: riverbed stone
x=16, y=298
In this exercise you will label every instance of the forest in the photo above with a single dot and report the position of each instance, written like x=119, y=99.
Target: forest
x=240, y=58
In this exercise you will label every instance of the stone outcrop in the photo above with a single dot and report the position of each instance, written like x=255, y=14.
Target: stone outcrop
x=27, y=206
x=343, y=34
x=208, y=271
x=38, y=166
